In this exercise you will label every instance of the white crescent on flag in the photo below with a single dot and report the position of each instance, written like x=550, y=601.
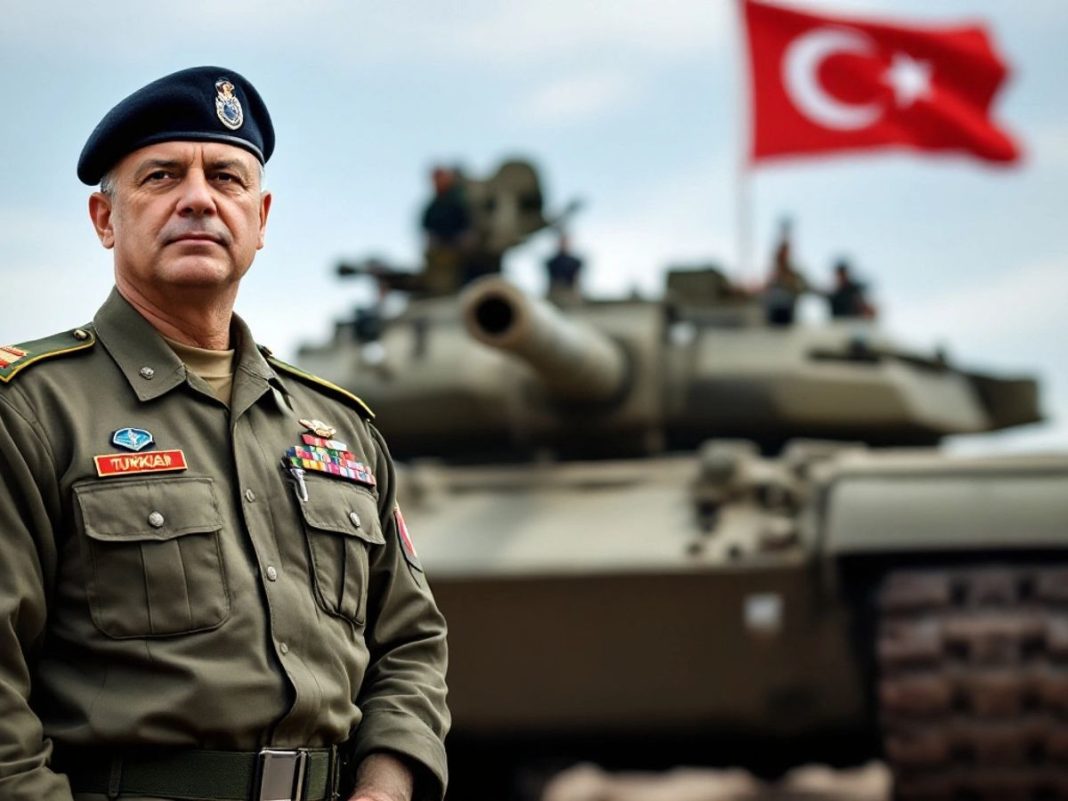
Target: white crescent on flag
x=801, y=65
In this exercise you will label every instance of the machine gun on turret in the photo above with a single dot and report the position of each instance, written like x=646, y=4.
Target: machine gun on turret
x=505, y=210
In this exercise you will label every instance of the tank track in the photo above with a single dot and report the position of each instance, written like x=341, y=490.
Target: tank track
x=973, y=682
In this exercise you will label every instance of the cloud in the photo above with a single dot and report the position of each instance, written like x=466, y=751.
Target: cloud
x=679, y=220
x=578, y=98
x=1047, y=146
x=53, y=296
x=406, y=31
x=518, y=31
x=141, y=28
x=50, y=266
x=1018, y=304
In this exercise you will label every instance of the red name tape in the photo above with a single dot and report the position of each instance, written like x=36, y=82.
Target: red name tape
x=119, y=464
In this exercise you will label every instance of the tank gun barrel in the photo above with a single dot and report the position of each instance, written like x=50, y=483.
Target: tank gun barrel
x=574, y=362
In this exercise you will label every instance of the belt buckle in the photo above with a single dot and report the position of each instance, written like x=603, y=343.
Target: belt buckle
x=280, y=775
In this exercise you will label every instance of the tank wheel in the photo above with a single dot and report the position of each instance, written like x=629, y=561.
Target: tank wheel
x=973, y=682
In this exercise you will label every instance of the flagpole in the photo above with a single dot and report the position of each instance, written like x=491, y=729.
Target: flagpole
x=743, y=189
x=743, y=217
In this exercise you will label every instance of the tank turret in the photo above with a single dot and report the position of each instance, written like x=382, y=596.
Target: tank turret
x=510, y=373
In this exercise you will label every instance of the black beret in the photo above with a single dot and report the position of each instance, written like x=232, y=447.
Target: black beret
x=202, y=104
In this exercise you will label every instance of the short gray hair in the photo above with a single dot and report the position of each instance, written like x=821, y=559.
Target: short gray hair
x=107, y=184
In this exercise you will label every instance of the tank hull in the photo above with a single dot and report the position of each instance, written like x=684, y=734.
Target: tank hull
x=668, y=651
x=596, y=612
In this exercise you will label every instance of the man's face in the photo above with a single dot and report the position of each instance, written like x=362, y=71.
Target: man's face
x=183, y=215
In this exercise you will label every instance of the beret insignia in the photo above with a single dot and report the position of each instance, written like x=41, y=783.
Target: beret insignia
x=227, y=106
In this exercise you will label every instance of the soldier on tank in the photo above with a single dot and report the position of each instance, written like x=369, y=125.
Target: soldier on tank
x=207, y=585
x=563, y=268
x=847, y=298
x=785, y=283
x=784, y=287
x=447, y=224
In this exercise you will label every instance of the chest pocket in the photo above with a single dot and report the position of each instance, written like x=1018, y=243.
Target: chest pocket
x=155, y=559
x=342, y=526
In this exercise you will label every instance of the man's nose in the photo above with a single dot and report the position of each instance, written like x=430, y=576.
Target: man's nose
x=196, y=197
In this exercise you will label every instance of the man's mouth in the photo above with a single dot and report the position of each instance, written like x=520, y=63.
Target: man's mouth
x=196, y=237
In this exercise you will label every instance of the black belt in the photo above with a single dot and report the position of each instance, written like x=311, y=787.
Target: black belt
x=273, y=774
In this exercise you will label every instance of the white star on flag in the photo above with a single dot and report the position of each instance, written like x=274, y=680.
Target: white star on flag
x=910, y=79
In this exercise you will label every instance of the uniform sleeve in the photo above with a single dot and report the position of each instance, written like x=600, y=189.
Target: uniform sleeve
x=28, y=504
x=403, y=693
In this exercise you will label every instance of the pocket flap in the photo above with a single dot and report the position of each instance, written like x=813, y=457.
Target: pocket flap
x=148, y=509
x=343, y=508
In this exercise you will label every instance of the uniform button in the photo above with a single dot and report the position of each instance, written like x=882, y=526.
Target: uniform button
x=272, y=574
x=355, y=518
x=155, y=520
x=250, y=496
x=283, y=647
x=81, y=334
x=147, y=373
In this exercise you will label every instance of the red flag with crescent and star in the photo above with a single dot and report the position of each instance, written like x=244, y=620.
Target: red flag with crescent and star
x=822, y=84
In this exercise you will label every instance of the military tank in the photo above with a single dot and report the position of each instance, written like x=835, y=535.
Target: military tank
x=665, y=532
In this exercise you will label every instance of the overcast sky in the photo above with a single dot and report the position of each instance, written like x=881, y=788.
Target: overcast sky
x=632, y=105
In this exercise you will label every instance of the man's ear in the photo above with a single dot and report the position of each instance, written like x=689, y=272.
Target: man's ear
x=100, y=214
x=265, y=209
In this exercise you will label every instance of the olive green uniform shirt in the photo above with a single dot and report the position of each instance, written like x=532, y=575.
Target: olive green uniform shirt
x=209, y=607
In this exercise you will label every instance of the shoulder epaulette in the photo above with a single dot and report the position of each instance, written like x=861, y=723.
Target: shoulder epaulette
x=321, y=383
x=16, y=358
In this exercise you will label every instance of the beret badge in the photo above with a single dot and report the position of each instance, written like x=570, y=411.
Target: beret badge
x=227, y=106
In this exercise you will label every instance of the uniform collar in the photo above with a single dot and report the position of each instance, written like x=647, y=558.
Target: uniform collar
x=150, y=366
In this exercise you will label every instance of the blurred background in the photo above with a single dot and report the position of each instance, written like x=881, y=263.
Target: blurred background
x=631, y=105
x=616, y=596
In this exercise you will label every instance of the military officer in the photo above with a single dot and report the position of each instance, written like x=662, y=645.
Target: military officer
x=208, y=590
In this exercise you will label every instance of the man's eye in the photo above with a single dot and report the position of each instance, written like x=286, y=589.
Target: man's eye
x=158, y=175
x=226, y=178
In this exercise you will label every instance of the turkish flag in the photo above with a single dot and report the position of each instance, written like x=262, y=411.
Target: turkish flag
x=822, y=84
